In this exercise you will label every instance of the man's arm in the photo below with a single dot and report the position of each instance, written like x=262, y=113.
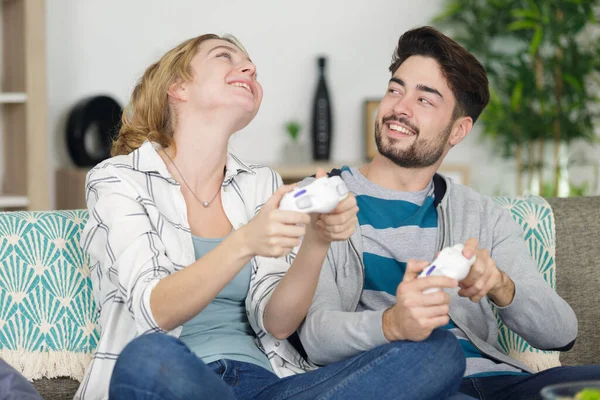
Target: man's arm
x=331, y=334
x=537, y=313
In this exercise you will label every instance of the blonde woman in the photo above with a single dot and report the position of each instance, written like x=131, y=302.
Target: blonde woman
x=193, y=264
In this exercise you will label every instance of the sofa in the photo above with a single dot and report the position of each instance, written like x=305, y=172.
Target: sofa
x=47, y=312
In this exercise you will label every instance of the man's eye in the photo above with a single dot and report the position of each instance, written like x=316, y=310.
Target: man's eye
x=393, y=91
x=425, y=101
x=224, y=54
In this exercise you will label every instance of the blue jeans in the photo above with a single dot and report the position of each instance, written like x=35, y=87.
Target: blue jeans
x=522, y=387
x=160, y=367
x=14, y=386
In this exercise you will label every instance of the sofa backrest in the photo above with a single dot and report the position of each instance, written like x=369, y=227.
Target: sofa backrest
x=578, y=273
x=48, y=315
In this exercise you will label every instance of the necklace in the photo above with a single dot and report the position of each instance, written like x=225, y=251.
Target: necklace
x=204, y=203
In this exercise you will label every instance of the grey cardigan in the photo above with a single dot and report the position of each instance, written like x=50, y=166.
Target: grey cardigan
x=334, y=330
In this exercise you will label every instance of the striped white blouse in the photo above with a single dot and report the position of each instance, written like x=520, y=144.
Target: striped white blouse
x=137, y=233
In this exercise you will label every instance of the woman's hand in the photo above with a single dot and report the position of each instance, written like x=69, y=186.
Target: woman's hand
x=273, y=232
x=339, y=224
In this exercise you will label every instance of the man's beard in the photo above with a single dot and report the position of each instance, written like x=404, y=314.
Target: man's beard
x=420, y=154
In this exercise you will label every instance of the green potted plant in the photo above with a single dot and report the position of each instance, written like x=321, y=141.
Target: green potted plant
x=294, y=150
x=293, y=129
x=543, y=61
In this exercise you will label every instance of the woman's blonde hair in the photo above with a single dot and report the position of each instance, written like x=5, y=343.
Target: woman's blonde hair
x=149, y=115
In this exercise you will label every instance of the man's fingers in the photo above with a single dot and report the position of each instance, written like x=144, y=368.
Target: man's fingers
x=470, y=247
x=430, y=282
x=439, y=321
x=434, y=311
x=413, y=268
x=476, y=272
x=434, y=299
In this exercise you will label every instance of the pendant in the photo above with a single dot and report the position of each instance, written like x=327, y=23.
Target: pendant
x=205, y=204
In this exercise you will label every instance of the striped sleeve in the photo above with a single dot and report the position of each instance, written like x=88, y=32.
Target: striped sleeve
x=266, y=271
x=119, y=236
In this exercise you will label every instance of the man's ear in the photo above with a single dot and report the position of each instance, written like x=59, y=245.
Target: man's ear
x=462, y=127
x=178, y=91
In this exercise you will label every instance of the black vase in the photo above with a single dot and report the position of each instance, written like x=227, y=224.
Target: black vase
x=321, y=117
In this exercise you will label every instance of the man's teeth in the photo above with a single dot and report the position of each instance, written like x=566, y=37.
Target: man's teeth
x=241, y=84
x=402, y=129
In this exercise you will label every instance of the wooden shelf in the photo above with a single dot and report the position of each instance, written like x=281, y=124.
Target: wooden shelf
x=24, y=105
x=294, y=172
x=70, y=188
x=70, y=182
x=18, y=98
x=461, y=173
x=7, y=201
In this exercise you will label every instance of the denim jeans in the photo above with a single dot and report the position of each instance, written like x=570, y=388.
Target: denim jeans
x=160, y=367
x=14, y=386
x=525, y=387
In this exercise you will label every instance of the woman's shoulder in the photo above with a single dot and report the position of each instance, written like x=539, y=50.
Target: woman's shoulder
x=108, y=167
x=143, y=159
x=258, y=178
x=255, y=172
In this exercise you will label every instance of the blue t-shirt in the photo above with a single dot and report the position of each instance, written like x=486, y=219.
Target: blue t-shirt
x=222, y=330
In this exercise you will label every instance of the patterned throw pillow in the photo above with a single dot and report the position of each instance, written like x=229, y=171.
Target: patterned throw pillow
x=535, y=216
x=47, y=311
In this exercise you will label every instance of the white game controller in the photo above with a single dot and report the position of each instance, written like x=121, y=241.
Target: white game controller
x=451, y=263
x=320, y=196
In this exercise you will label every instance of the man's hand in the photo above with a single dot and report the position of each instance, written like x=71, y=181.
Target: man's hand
x=415, y=315
x=485, y=278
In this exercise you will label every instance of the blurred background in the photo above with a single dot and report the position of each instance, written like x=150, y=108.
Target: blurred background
x=539, y=134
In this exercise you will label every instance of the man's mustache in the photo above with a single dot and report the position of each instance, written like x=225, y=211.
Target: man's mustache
x=401, y=120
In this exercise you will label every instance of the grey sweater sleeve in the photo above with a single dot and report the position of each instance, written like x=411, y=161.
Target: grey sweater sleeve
x=537, y=313
x=329, y=333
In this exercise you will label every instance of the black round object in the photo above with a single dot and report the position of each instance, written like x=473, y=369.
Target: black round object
x=98, y=116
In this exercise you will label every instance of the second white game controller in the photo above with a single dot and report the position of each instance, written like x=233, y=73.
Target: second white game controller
x=320, y=196
x=450, y=262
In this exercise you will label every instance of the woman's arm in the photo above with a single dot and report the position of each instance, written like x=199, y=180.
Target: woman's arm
x=292, y=297
x=120, y=235
x=180, y=296
x=272, y=233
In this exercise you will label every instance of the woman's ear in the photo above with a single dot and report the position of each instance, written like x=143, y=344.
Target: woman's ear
x=178, y=91
x=462, y=127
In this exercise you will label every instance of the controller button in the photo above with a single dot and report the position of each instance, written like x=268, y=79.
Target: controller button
x=303, y=203
x=300, y=193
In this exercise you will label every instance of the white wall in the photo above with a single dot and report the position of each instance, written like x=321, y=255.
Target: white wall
x=102, y=47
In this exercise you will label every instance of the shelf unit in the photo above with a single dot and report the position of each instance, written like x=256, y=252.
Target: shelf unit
x=23, y=103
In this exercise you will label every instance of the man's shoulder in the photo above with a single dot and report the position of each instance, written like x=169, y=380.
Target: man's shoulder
x=469, y=197
x=466, y=203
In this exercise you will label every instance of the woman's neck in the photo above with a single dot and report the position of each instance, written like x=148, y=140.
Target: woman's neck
x=200, y=158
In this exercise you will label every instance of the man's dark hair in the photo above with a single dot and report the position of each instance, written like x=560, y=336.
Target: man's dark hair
x=465, y=75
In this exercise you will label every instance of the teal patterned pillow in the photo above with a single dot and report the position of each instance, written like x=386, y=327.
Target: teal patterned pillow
x=47, y=312
x=535, y=216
